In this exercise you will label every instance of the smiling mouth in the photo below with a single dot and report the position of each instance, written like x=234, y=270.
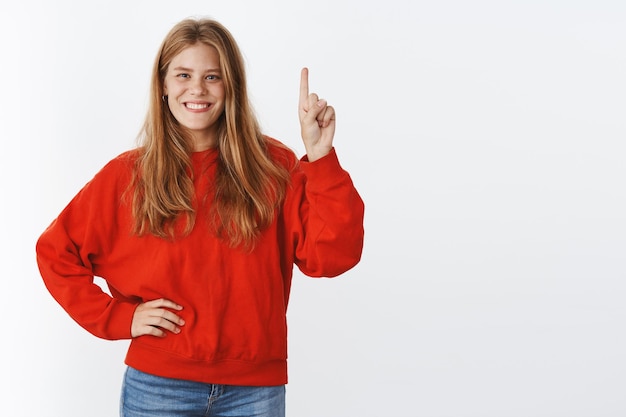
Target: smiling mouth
x=197, y=106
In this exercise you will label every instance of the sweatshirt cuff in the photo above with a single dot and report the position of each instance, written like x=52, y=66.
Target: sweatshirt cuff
x=326, y=170
x=121, y=320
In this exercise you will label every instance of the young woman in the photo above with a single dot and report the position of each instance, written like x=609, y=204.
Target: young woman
x=196, y=233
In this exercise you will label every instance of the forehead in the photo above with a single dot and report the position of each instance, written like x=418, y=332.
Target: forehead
x=197, y=56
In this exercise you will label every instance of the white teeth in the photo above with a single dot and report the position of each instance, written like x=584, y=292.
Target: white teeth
x=196, y=106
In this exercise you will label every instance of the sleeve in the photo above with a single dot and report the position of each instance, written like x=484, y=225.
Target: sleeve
x=328, y=234
x=66, y=250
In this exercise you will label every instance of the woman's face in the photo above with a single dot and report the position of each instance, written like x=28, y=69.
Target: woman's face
x=195, y=92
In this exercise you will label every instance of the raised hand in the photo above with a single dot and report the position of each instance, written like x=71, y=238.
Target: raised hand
x=317, y=121
x=155, y=317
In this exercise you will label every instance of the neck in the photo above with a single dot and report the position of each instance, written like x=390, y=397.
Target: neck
x=202, y=142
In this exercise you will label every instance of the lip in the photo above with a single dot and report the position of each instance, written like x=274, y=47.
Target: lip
x=196, y=106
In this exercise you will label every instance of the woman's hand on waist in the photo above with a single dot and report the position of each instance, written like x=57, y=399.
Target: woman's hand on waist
x=156, y=318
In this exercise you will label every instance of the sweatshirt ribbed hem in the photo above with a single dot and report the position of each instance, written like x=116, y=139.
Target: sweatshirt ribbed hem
x=224, y=372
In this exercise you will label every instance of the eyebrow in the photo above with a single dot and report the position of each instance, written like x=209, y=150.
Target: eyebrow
x=190, y=70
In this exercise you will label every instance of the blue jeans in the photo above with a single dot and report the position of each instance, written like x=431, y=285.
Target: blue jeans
x=145, y=395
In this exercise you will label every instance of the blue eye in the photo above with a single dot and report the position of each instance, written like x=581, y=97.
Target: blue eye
x=212, y=77
x=183, y=75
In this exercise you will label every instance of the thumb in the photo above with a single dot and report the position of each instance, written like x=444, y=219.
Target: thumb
x=315, y=108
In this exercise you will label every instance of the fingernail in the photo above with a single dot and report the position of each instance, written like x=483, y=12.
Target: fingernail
x=321, y=103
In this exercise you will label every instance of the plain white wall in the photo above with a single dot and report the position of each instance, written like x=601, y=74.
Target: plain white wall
x=487, y=139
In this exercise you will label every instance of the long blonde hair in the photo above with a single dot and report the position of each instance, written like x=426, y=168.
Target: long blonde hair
x=249, y=185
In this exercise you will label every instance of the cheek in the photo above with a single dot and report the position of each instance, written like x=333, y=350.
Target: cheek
x=169, y=87
x=220, y=91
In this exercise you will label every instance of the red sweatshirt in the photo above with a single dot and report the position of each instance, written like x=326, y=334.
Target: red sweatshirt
x=234, y=302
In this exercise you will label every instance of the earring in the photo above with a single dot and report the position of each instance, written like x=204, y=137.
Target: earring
x=164, y=98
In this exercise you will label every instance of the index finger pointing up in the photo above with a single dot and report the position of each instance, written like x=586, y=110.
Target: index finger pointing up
x=304, y=86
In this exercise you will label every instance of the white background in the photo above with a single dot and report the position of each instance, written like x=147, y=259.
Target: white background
x=487, y=139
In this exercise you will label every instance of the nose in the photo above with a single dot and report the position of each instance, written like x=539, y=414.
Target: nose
x=197, y=87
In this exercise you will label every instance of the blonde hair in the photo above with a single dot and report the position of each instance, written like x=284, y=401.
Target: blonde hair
x=249, y=185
